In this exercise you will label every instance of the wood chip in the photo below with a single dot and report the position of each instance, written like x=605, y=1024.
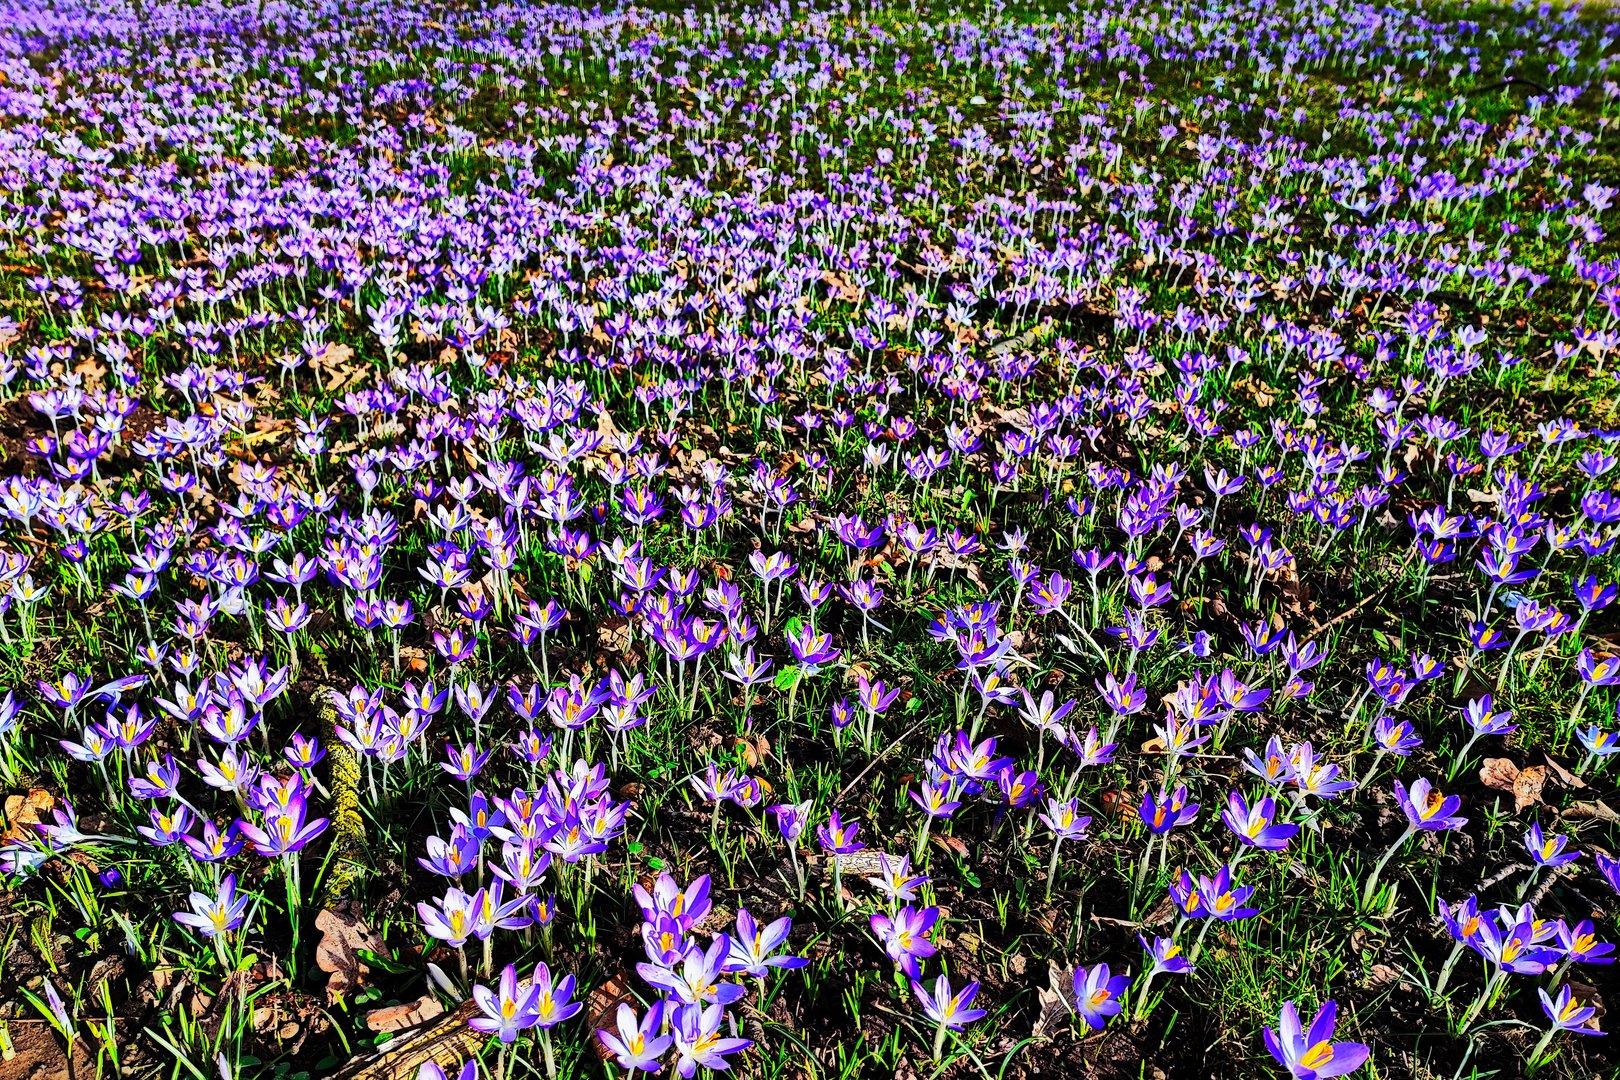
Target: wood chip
x=403, y=1017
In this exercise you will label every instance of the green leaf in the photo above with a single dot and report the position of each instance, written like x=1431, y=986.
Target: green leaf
x=382, y=963
x=787, y=677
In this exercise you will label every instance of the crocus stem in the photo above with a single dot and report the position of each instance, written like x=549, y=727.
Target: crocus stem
x=1461, y=758
x=1534, y=1060
x=1142, y=996
x=1371, y=887
x=1147, y=857
x=1198, y=945
x=1051, y=867
x=551, y=1060
x=1372, y=770
x=1479, y=1002
x=1580, y=703
x=224, y=957
x=1447, y=968
x=939, y=1041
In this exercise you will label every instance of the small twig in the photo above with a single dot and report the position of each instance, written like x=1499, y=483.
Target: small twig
x=1541, y=890
x=1502, y=84
x=902, y=737
x=1502, y=875
x=1368, y=599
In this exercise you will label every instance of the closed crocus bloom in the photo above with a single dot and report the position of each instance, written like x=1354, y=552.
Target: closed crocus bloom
x=791, y=818
x=1311, y=1054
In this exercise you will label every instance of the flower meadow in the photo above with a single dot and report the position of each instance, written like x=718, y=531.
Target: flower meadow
x=808, y=539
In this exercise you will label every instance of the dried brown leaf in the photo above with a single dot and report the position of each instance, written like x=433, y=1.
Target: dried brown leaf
x=1565, y=777
x=343, y=936
x=23, y=812
x=1527, y=787
x=1498, y=773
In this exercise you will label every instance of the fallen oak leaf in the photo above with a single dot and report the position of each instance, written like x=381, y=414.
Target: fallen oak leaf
x=1527, y=787
x=602, y=1006
x=1565, y=777
x=1498, y=773
x=23, y=812
x=343, y=937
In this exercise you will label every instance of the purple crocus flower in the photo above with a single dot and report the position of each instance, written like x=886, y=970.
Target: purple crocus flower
x=218, y=914
x=1548, y=850
x=1567, y=1013
x=553, y=1002
x=1254, y=826
x=1312, y=1054
x=1426, y=809
x=753, y=945
x=905, y=937
x=1162, y=811
x=1097, y=993
x=948, y=1008
x=637, y=1044
x=697, y=981
x=698, y=1041
x=508, y=1011
x=811, y=649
